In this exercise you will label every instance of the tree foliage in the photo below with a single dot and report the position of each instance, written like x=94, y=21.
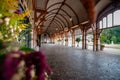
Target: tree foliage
x=110, y=35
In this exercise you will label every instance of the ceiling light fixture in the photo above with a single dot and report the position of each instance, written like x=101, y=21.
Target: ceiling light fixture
x=56, y=28
x=71, y=19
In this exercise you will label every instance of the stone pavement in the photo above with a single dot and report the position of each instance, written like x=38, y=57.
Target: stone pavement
x=75, y=64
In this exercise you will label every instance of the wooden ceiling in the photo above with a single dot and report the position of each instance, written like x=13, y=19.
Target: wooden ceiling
x=52, y=16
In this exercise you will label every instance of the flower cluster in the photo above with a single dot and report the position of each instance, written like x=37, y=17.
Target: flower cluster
x=33, y=61
x=12, y=19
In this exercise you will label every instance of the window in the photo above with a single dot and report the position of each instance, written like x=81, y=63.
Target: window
x=109, y=20
x=77, y=32
x=117, y=18
x=100, y=24
x=104, y=22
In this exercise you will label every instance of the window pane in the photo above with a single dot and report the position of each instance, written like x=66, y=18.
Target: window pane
x=104, y=22
x=117, y=17
x=100, y=24
x=109, y=18
x=77, y=32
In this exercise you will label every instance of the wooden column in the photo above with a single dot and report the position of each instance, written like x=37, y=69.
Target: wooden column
x=51, y=39
x=54, y=38
x=94, y=36
x=73, y=38
x=96, y=39
x=97, y=49
x=85, y=45
x=66, y=37
x=62, y=36
x=84, y=30
x=34, y=37
x=83, y=39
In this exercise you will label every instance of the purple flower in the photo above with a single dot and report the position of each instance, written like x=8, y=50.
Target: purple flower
x=28, y=74
x=33, y=60
x=37, y=59
x=19, y=11
x=41, y=65
x=12, y=60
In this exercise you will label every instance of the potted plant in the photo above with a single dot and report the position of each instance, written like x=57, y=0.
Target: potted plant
x=78, y=40
x=102, y=47
x=66, y=40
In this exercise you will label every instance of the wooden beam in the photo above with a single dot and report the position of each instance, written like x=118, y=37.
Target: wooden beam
x=33, y=4
x=90, y=8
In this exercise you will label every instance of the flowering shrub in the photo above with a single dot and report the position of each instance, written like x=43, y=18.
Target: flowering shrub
x=23, y=64
x=18, y=63
x=11, y=19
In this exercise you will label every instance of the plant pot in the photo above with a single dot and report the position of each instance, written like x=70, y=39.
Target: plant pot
x=102, y=47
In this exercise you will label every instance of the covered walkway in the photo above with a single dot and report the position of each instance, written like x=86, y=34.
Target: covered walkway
x=74, y=64
x=69, y=32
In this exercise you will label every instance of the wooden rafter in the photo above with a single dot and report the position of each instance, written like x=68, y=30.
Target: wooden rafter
x=58, y=22
x=56, y=13
x=58, y=19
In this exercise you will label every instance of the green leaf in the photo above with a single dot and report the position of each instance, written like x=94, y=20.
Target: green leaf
x=26, y=49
